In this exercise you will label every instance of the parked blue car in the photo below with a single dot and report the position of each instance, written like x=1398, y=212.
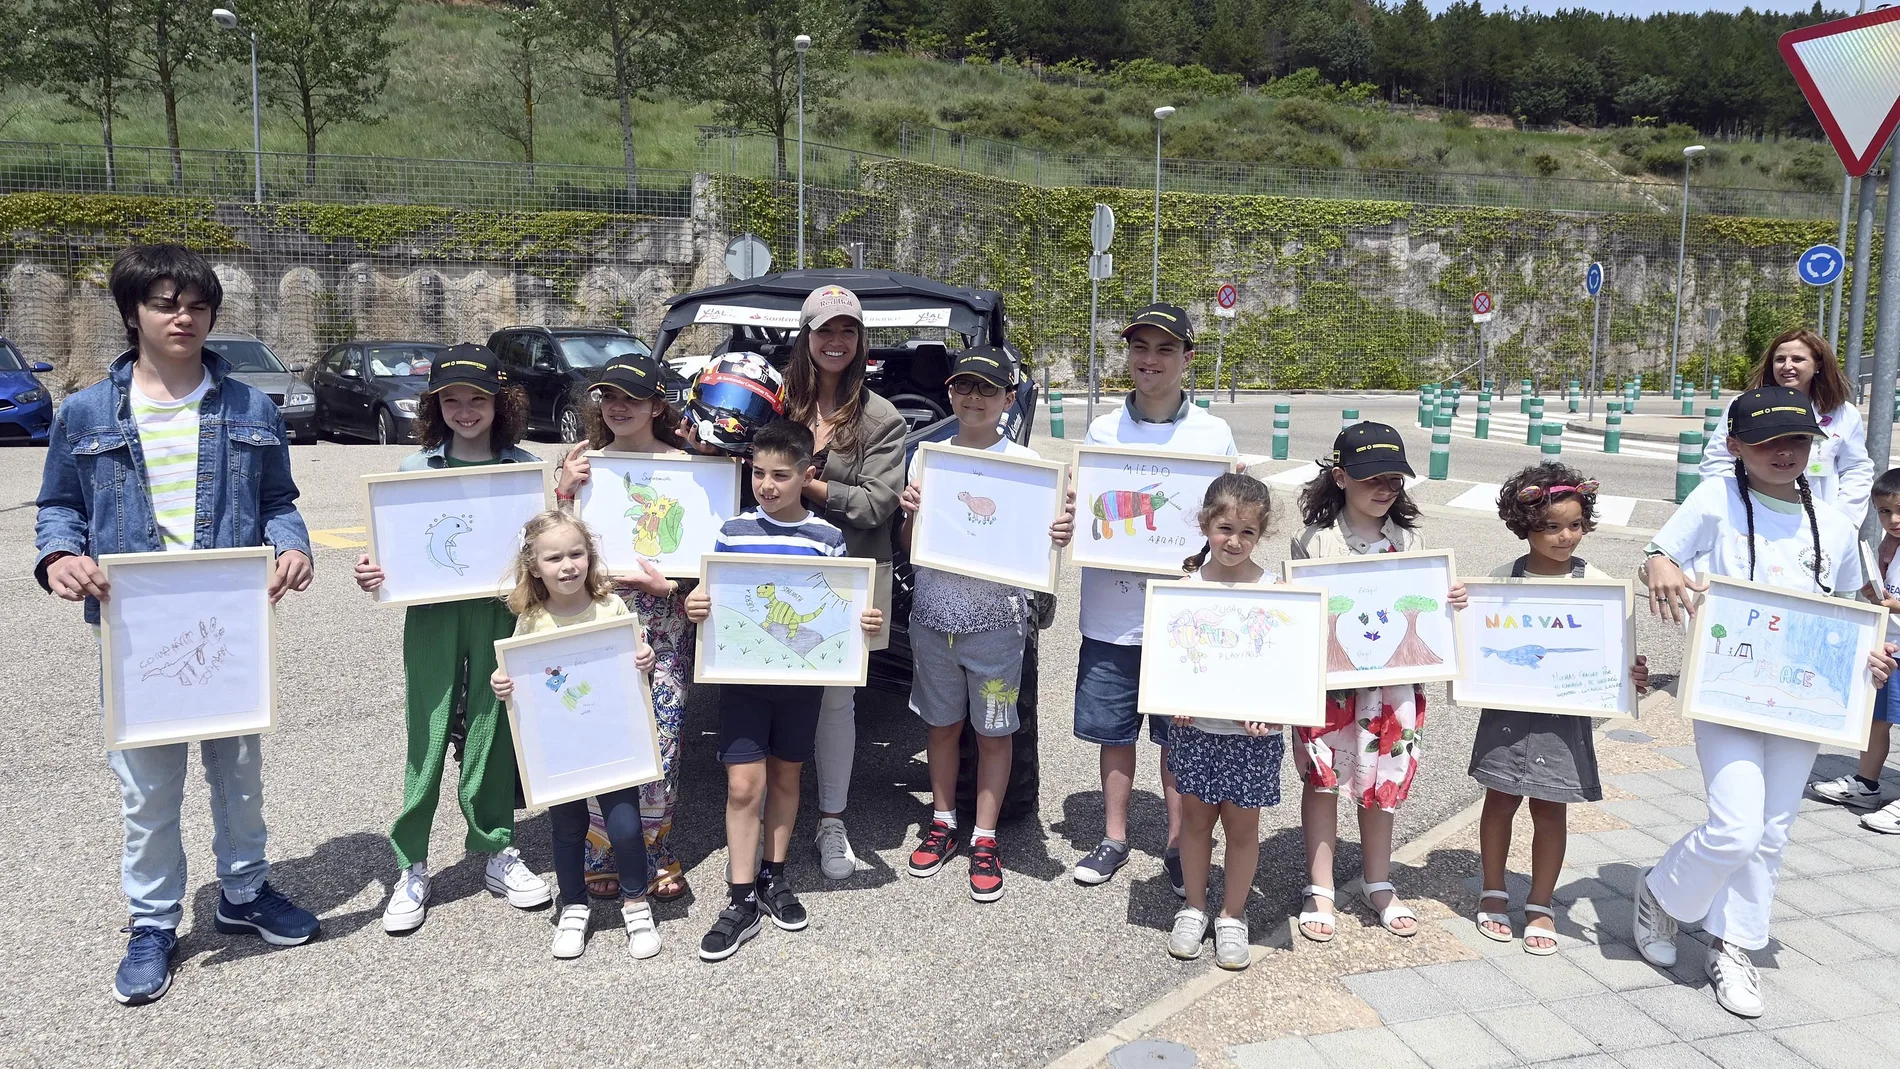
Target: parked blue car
x=26, y=406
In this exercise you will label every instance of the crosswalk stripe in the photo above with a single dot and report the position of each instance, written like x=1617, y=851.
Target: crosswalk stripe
x=1511, y=429
x=1483, y=497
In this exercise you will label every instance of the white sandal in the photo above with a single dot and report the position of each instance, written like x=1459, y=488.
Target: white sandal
x=1318, y=916
x=1495, y=918
x=1539, y=933
x=1394, y=912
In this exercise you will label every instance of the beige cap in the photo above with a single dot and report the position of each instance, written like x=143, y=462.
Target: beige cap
x=828, y=303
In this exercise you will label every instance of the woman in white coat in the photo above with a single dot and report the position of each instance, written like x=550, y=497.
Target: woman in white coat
x=1839, y=470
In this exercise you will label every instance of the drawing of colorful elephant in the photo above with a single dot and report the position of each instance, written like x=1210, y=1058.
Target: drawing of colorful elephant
x=1125, y=507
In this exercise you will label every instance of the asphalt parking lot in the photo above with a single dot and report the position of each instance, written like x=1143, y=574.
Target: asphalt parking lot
x=892, y=971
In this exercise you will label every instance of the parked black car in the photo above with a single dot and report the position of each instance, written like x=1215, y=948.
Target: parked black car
x=556, y=365
x=253, y=364
x=909, y=371
x=368, y=389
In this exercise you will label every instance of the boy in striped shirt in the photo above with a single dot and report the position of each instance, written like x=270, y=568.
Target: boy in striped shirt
x=768, y=731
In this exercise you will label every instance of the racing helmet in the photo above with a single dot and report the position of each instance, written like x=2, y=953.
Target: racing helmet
x=732, y=398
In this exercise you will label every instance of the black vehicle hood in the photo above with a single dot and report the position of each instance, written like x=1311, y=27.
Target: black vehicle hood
x=399, y=387
x=976, y=313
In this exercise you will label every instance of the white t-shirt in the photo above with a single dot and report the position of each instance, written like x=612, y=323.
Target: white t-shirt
x=1709, y=532
x=1215, y=725
x=1890, y=588
x=1840, y=472
x=168, y=439
x=1112, y=601
x=959, y=604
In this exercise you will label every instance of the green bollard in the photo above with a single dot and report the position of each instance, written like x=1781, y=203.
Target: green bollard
x=1675, y=389
x=1204, y=402
x=1575, y=391
x=1715, y=388
x=1055, y=413
x=1534, y=433
x=1553, y=442
x=1282, y=429
x=1524, y=396
x=1632, y=390
x=1348, y=417
x=1441, y=446
x=1688, y=463
x=1613, y=429
x=1425, y=406
x=1688, y=400
x=1711, y=419
x=1482, y=430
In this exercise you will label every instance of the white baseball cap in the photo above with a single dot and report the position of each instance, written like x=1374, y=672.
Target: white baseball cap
x=828, y=303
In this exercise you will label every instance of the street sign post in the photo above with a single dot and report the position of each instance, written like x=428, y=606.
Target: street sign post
x=1226, y=300
x=747, y=257
x=1712, y=319
x=1101, y=266
x=1847, y=71
x=1593, y=284
x=1482, y=309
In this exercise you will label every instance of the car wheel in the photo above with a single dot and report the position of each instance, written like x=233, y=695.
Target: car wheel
x=568, y=423
x=387, y=433
x=918, y=411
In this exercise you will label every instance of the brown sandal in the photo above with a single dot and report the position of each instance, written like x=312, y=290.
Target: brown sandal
x=668, y=888
x=603, y=886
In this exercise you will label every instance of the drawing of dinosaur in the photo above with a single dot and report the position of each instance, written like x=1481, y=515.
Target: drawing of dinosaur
x=778, y=612
x=657, y=519
x=1125, y=507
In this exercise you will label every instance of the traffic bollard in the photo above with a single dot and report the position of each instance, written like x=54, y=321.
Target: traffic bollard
x=1524, y=396
x=1715, y=388
x=1632, y=390
x=1535, y=431
x=1688, y=400
x=1425, y=406
x=1711, y=419
x=1204, y=402
x=1055, y=413
x=1613, y=429
x=1482, y=430
x=1441, y=446
x=1688, y=463
x=1576, y=394
x=1348, y=417
x=1282, y=420
x=1553, y=442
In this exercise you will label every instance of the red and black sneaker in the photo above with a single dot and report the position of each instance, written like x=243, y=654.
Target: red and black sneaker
x=939, y=846
x=986, y=870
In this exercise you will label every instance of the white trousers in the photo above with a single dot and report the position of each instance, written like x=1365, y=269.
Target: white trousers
x=1724, y=872
x=837, y=747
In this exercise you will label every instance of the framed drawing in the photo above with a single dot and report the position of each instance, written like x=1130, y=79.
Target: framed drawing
x=1547, y=646
x=187, y=649
x=784, y=619
x=666, y=507
x=1136, y=509
x=1784, y=663
x=582, y=712
x=987, y=515
x=449, y=534
x=1224, y=640
x=1387, y=617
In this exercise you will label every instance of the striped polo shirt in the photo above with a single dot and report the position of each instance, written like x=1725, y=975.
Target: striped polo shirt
x=755, y=532
x=168, y=436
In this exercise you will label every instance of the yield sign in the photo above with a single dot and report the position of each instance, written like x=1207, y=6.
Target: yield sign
x=1849, y=70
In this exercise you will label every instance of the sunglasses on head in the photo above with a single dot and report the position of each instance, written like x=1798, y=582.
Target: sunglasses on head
x=964, y=387
x=1587, y=488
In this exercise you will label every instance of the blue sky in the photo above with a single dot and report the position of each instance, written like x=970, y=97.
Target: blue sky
x=1651, y=7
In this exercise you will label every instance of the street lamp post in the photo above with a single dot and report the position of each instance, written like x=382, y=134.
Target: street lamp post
x=1160, y=113
x=802, y=44
x=1682, y=247
x=228, y=20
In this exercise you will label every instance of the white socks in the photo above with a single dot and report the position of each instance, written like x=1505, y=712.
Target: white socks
x=982, y=833
x=949, y=819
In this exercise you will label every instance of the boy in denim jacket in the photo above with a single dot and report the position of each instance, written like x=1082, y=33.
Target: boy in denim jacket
x=170, y=453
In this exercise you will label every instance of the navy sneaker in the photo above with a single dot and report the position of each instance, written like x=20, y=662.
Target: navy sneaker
x=270, y=915
x=1102, y=863
x=145, y=973
x=1171, y=861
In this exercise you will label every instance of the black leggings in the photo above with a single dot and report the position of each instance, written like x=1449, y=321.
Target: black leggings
x=569, y=821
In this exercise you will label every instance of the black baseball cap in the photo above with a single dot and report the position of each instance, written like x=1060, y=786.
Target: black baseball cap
x=467, y=365
x=1368, y=449
x=635, y=374
x=1169, y=317
x=990, y=363
x=1769, y=412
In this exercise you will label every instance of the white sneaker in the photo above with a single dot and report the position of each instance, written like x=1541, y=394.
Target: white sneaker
x=1653, y=927
x=1737, y=984
x=835, y=858
x=1886, y=819
x=643, y=937
x=570, y=932
x=1190, y=928
x=1847, y=790
x=1231, y=951
x=510, y=877
x=409, y=902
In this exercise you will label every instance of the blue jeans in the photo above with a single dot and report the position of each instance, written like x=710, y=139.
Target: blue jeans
x=152, y=786
x=1106, y=678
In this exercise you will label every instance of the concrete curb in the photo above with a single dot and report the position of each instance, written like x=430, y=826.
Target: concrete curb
x=1585, y=427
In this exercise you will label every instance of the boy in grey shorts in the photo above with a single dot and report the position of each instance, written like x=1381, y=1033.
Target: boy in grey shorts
x=967, y=638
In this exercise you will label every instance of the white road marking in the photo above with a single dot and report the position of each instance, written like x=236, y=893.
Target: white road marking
x=1483, y=497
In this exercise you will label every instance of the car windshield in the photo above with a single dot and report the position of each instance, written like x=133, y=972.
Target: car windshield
x=594, y=350
x=10, y=358
x=398, y=361
x=247, y=356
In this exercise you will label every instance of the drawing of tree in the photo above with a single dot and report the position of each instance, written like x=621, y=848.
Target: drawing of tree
x=1336, y=658
x=1412, y=652
x=1718, y=633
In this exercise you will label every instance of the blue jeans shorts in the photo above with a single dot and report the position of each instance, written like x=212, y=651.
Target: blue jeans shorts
x=1884, y=701
x=1106, y=678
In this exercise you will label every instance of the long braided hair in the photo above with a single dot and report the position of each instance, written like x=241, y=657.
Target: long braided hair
x=1807, y=504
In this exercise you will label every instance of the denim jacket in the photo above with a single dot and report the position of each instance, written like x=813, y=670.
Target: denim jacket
x=94, y=498
x=437, y=456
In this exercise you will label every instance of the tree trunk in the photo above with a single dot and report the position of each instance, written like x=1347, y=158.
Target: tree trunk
x=1336, y=657
x=1412, y=652
x=168, y=89
x=783, y=173
x=309, y=139
x=527, y=107
x=108, y=103
x=623, y=81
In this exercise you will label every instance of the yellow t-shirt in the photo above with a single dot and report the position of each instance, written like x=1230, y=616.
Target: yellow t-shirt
x=535, y=621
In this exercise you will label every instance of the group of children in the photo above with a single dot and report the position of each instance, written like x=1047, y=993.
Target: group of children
x=167, y=401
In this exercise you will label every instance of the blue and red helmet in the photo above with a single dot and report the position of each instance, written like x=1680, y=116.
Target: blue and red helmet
x=732, y=399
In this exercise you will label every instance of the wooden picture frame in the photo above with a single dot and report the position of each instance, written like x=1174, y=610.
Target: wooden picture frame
x=173, y=638
x=1362, y=580
x=1150, y=499
x=1525, y=659
x=1750, y=684
x=428, y=560
x=1220, y=632
x=949, y=532
x=774, y=606
x=582, y=712
x=664, y=507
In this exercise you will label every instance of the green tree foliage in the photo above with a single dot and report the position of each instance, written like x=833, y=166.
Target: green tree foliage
x=629, y=50
x=753, y=81
x=322, y=61
x=170, y=42
x=83, y=52
x=505, y=99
